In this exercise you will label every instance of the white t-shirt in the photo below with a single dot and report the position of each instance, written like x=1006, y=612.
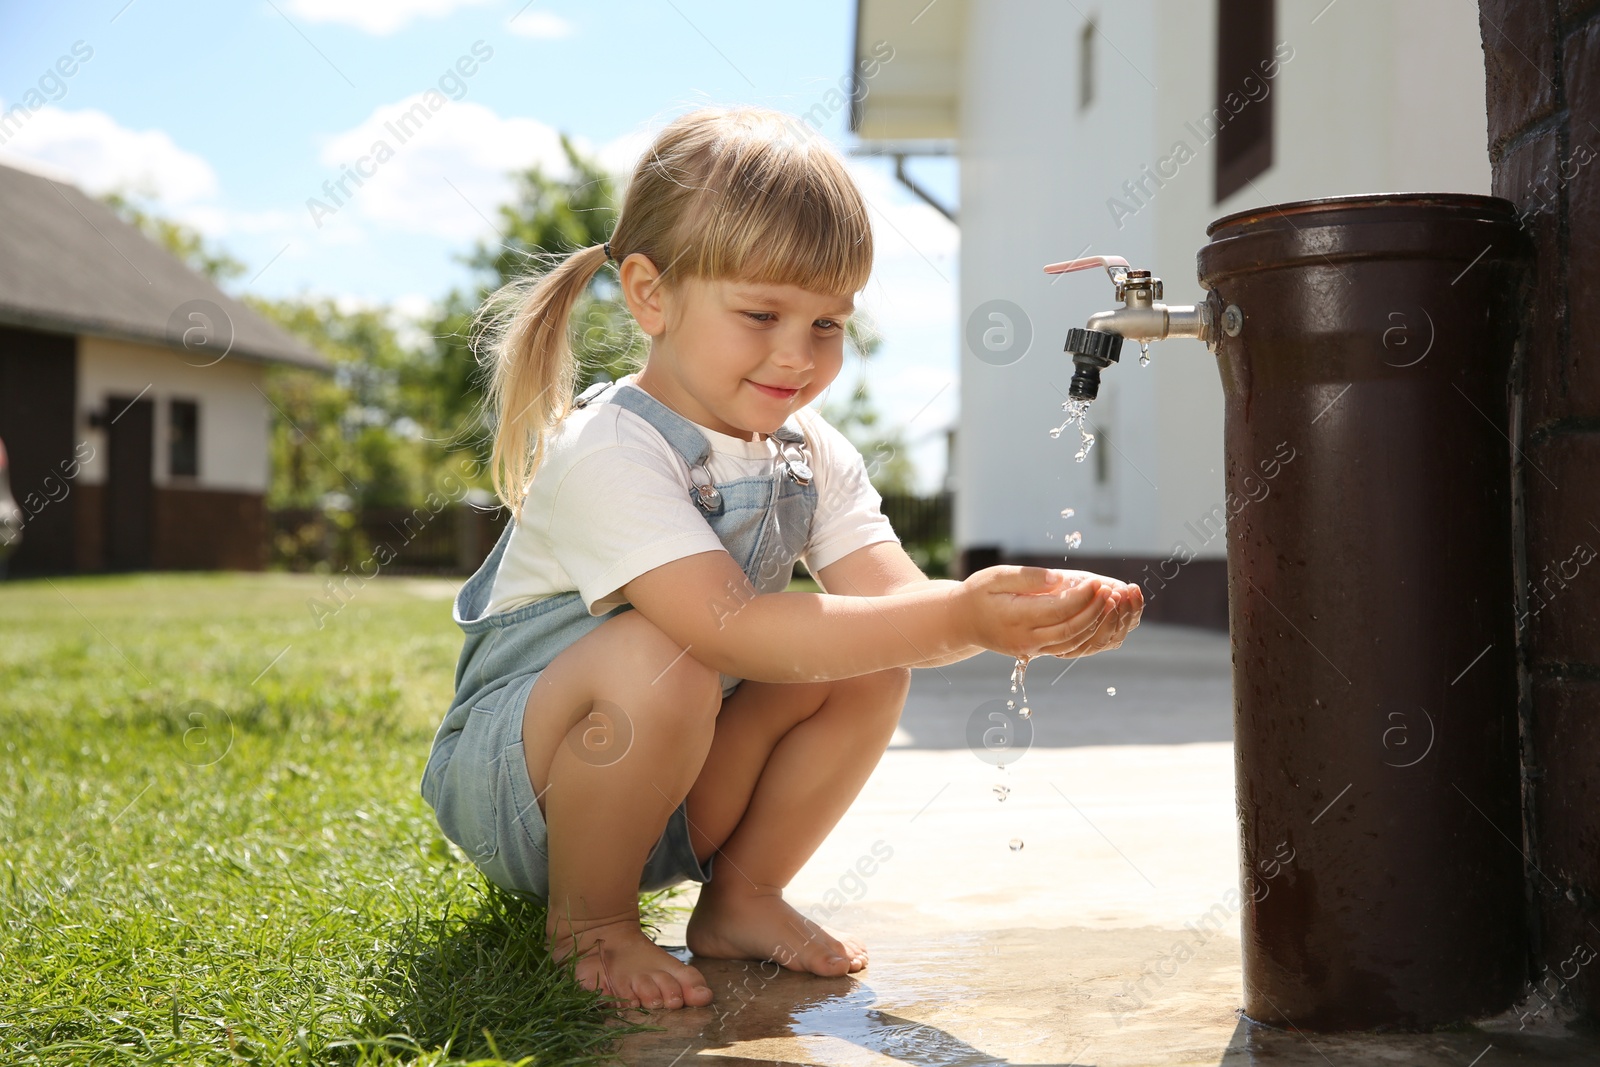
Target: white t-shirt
x=611, y=501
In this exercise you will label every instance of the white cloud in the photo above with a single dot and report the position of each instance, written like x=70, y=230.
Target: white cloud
x=409, y=313
x=415, y=306
x=619, y=154
x=541, y=26
x=91, y=150
x=380, y=17
x=215, y=221
x=447, y=173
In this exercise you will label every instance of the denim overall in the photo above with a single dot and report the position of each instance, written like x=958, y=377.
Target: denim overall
x=476, y=779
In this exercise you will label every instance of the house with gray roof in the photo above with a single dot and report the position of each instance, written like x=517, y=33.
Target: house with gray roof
x=132, y=401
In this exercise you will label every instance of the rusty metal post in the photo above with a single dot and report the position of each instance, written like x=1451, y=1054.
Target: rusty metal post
x=1366, y=353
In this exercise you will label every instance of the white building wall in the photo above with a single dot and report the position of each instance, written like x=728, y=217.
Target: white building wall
x=1034, y=170
x=234, y=416
x=1438, y=121
x=1379, y=96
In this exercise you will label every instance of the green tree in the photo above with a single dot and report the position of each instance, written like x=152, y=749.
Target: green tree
x=356, y=431
x=182, y=241
x=547, y=217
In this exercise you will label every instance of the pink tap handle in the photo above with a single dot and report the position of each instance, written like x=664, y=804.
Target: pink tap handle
x=1085, y=263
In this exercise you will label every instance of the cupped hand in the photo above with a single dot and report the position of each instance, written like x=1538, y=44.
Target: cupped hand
x=1020, y=611
x=1104, y=624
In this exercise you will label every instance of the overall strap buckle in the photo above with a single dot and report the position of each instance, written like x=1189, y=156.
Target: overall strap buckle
x=707, y=495
x=796, y=454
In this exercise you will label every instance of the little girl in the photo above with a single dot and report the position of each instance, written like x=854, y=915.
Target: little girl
x=639, y=702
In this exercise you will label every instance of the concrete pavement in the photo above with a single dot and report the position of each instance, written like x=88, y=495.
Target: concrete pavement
x=1110, y=936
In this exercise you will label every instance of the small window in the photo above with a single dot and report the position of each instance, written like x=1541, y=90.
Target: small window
x=1242, y=116
x=1086, y=65
x=183, y=439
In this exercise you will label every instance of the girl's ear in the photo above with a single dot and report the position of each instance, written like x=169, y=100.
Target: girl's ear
x=644, y=292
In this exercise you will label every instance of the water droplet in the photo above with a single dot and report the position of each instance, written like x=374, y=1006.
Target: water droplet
x=1001, y=792
x=1024, y=712
x=1011, y=703
x=1144, y=353
x=1056, y=432
x=1067, y=513
x=1074, y=539
x=1111, y=690
x=1016, y=844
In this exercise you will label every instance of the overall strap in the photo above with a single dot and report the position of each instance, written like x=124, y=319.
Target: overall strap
x=682, y=434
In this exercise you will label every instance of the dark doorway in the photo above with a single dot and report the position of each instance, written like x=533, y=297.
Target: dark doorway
x=38, y=402
x=130, y=439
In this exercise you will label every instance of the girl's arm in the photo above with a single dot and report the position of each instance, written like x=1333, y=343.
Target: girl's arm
x=883, y=569
x=705, y=603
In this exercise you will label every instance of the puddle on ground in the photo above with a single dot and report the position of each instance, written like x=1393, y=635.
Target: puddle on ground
x=1028, y=998
x=1023, y=997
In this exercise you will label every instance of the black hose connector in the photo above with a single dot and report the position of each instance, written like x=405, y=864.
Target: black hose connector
x=1091, y=351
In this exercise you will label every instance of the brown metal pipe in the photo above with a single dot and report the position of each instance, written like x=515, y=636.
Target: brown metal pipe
x=1372, y=604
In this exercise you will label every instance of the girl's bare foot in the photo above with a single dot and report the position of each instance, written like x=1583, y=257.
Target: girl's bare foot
x=617, y=959
x=754, y=924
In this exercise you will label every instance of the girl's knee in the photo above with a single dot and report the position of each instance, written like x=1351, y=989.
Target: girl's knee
x=889, y=681
x=688, y=690
x=884, y=689
x=668, y=680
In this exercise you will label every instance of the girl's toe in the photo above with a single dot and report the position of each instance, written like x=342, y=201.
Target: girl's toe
x=647, y=992
x=696, y=993
x=671, y=992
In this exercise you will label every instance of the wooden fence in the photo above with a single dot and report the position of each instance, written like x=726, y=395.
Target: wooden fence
x=457, y=538
x=395, y=540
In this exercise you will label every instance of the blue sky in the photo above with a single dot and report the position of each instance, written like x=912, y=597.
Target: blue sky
x=231, y=117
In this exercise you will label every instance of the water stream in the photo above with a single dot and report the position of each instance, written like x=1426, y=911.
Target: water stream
x=1076, y=411
x=1019, y=677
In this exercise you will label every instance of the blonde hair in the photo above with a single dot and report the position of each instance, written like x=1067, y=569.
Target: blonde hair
x=747, y=193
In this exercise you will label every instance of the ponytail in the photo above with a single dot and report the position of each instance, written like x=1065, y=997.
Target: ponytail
x=532, y=371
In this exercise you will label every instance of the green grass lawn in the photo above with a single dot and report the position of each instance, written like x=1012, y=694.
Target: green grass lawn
x=212, y=847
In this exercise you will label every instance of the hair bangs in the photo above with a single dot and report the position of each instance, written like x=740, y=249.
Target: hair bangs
x=784, y=211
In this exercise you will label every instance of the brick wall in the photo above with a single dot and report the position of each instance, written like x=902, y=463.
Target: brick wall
x=1542, y=65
